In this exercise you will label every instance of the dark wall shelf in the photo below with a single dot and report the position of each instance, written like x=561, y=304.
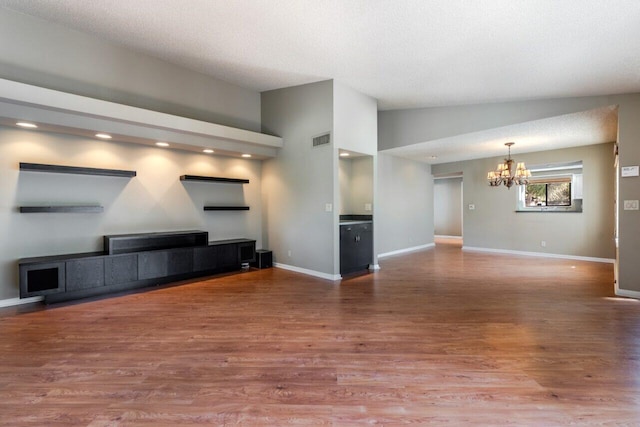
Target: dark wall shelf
x=213, y=179
x=37, y=167
x=61, y=209
x=226, y=208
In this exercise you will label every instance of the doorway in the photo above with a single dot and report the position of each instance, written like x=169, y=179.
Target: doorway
x=447, y=209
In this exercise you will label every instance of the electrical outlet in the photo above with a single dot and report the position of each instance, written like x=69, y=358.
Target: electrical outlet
x=328, y=207
x=631, y=205
x=367, y=206
x=472, y=207
x=543, y=243
x=289, y=253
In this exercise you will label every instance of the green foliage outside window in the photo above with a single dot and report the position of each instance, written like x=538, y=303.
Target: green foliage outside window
x=548, y=194
x=559, y=194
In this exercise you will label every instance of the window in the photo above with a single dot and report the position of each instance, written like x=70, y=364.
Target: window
x=553, y=187
x=548, y=193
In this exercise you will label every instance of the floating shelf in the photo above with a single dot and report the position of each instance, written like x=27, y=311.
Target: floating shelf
x=213, y=179
x=37, y=167
x=61, y=209
x=226, y=208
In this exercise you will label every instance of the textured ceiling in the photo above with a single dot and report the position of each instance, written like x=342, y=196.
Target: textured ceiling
x=570, y=130
x=405, y=53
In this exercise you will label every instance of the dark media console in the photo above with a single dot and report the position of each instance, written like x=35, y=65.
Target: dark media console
x=132, y=261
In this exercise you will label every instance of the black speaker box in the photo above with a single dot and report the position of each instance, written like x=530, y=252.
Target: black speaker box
x=264, y=259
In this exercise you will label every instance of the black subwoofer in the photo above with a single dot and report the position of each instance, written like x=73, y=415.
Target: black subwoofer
x=264, y=259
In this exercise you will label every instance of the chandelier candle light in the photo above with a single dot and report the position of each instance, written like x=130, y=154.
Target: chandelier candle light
x=505, y=175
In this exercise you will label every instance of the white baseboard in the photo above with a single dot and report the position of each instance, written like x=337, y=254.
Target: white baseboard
x=406, y=250
x=308, y=272
x=627, y=293
x=448, y=237
x=10, y=302
x=374, y=267
x=539, y=254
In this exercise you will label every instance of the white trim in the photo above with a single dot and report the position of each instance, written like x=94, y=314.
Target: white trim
x=10, y=302
x=308, y=272
x=539, y=254
x=626, y=293
x=448, y=175
x=407, y=250
x=374, y=267
x=440, y=236
x=69, y=113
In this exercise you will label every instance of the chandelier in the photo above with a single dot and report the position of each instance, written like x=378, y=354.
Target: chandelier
x=504, y=174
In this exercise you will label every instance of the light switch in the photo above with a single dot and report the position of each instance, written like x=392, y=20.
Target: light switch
x=328, y=207
x=631, y=205
x=367, y=206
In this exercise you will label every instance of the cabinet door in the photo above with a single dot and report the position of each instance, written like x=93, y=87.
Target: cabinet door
x=152, y=264
x=247, y=251
x=365, y=245
x=228, y=255
x=120, y=269
x=205, y=258
x=84, y=273
x=180, y=261
x=348, y=248
x=42, y=279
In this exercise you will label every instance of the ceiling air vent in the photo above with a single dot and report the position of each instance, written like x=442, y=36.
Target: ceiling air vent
x=320, y=140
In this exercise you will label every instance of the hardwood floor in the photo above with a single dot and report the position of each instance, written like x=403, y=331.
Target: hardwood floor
x=437, y=337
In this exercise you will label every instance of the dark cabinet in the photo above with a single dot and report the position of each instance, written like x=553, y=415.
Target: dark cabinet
x=173, y=262
x=205, y=258
x=42, y=278
x=247, y=252
x=356, y=247
x=152, y=264
x=120, y=269
x=180, y=261
x=228, y=255
x=150, y=260
x=85, y=273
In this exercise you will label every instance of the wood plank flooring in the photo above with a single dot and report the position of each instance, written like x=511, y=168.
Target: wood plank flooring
x=437, y=337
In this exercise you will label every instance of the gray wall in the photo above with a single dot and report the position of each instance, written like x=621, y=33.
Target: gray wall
x=399, y=128
x=154, y=200
x=355, y=127
x=494, y=224
x=45, y=54
x=405, y=208
x=361, y=185
x=447, y=207
x=629, y=189
x=356, y=185
x=300, y=181
x=345, y=171
x=355, y=119
x=406, y=127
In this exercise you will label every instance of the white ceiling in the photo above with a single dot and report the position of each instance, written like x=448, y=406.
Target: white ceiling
x=405, y=53
x=569, y=130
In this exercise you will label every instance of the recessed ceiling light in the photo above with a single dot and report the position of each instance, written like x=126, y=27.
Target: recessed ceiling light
x=27, y=125
x=208, y=151
x=162, y=144
x=246, y=155
x=344, y=154
x=103, y=135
